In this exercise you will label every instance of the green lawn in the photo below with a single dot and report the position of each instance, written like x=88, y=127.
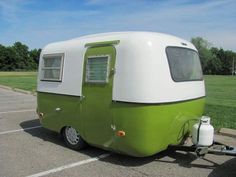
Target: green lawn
x=21, y=80
x=220, y=102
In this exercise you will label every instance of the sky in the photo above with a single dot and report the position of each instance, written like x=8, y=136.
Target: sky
x=39, y=22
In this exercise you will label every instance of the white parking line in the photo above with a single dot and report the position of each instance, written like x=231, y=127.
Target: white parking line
x=26, y=110
x=18, y=130
x=54, y=170
x=8, y=95
x=17, y=101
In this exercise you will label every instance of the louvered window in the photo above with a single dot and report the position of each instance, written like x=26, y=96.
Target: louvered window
x=52, y=67
x=97, y=69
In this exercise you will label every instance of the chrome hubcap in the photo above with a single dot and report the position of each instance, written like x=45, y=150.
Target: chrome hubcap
x=72, y=135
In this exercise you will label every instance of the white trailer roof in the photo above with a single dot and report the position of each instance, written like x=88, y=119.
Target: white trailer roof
x=142, y=70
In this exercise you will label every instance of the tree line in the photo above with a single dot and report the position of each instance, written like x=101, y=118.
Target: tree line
x=18, y=57
x=214, y=60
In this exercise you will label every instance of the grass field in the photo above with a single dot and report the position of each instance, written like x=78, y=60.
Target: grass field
x=220, y=102
x=21, y=80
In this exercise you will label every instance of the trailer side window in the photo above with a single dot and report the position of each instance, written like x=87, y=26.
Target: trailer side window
x=97, y=69
x=184, y=64
x=52, y=67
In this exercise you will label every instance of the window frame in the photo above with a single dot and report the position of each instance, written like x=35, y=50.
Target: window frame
x=170, y=69
x=108, y=70
x=61, y=68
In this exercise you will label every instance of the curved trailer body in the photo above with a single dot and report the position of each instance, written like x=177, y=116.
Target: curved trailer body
x=129, y=92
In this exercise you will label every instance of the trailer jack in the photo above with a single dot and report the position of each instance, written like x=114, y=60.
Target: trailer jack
x=216, y=148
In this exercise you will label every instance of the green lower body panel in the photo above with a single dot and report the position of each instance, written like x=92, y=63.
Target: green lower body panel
x=149, y=128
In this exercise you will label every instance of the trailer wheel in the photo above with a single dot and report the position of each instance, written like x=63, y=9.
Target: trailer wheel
x=72, y=138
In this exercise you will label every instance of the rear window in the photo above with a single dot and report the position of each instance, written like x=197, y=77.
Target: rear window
x=184, y=64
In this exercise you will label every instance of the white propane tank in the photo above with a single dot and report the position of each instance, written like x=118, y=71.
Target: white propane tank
x=203, y=132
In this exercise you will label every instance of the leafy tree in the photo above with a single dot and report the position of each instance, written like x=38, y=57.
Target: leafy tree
x=18, y=57
x=34, y=54
x=214, y=65
x=214, y=60
x=203, y=47
x=7, y=59
x=2, y=56
x=21, y=55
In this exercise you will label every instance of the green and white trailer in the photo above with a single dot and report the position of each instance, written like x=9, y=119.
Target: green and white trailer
x=133, y=93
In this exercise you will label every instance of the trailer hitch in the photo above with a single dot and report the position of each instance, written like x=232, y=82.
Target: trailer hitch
x=216, y=148
x=222, y=149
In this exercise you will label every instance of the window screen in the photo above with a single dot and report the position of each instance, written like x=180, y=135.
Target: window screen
x=184, y=64
x=97, y=69
x=52, y=67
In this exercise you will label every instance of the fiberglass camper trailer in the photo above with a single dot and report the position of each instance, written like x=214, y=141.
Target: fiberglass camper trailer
x=130, y=92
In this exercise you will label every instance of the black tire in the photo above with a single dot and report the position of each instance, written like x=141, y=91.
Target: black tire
x=72, y=138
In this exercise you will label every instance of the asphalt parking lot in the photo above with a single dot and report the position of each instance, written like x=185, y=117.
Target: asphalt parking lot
x=27, y=149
